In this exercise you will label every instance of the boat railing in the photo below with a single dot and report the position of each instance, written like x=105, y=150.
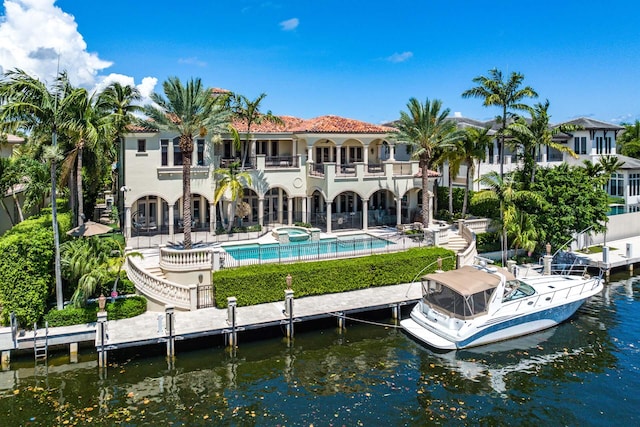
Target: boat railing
x=550, y=296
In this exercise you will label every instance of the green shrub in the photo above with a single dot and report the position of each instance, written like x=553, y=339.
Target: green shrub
x=122, y=308
x=258, y=284
x=302, y=224
x=26, y=267
x=488, y=242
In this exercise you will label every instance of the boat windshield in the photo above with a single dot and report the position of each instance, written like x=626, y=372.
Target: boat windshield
x=516, y=289
x=445, y=299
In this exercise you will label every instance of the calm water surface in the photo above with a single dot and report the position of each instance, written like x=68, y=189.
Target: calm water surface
x=583, y=372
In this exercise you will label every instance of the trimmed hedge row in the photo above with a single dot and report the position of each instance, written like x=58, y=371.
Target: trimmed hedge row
x=258, y=284
x=122, y=308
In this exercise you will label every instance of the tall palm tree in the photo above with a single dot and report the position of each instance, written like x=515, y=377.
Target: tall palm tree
x=471, y=148
x=629, y=141
x=248, y=113
x=507, y=192
x=122, y=101
x=531, y=136
x=427, y=129
x=506, y=94
x=90, y=129
x=27, y=104
x=231, y=184
x=190, y=110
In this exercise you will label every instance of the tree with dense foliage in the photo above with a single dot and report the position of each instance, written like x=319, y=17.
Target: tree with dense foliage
x=575, y=201
x=189, y=110
x=511, y=198
x=506, y=94
x=26, y=276
x=426, y=128
x=629, y=140
x=231, y=183
x=28, y=105
x=248, y=113
x=529, y=137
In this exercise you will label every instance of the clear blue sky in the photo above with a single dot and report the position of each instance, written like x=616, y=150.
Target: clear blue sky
x=365, y=59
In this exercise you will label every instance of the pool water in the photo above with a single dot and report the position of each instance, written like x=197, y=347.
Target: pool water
x=306, y=249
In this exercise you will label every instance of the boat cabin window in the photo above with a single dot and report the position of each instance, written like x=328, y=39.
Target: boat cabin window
x=516, y=289
x=446, y=299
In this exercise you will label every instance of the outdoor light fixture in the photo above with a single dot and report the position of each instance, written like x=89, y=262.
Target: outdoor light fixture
x=289, y=281
x=102, y=300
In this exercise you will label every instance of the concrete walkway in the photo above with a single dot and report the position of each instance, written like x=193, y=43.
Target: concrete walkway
x=617, y=254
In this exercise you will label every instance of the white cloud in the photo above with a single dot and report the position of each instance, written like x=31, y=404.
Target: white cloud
x=290, y=24
x=35, y=34
x=192, y=61
x=400, y=57
x=146, y=87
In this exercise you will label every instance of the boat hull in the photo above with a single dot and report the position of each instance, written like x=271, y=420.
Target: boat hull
x=493, y=330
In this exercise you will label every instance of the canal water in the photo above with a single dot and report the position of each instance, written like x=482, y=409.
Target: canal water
x=584, y=372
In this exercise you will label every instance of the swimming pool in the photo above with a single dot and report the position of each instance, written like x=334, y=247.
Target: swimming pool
x=356, y=244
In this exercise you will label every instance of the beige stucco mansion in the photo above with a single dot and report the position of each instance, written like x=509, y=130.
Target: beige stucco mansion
x=332, y=172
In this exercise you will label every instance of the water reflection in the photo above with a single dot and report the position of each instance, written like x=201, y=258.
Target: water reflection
x=572, y=374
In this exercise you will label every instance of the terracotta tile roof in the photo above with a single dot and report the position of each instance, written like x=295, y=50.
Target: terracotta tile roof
x=432, y=174
x=139, y=128
x=335, y=124
x=13, y=139
x=322, y=124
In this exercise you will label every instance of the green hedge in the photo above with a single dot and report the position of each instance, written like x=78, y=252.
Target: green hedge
x=122, y=308
x=258, y=284
x=26, y=267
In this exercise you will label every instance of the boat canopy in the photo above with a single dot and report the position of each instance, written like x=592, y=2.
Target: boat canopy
x=468, y=280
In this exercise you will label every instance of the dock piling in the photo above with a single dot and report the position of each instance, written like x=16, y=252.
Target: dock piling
x=232, y=337
x=341, y=321
x=170, y=315
x=101, y=337
x=288, y=311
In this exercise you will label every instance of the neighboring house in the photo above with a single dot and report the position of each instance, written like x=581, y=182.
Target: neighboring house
x=13, y=199
x=593, y=139
x=329, y=171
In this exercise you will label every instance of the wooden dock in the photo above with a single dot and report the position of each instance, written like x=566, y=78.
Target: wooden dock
x=151, y=328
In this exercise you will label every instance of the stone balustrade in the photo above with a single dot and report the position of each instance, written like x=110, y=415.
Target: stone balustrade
x=467, y=256
x=480, y=225
x=186, y=259
x=162, y=291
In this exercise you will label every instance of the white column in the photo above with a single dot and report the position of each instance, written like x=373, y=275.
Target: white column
x=310, y=154
x=307, y=208
x=171, y=220
x=398, y=210
x=212, y=218
x=280, y=205
x=365, y=157
x=365, y=214
x=289, y=210
x=328, y=217
x=127, y=221
x=261, y=211
x=392, y=152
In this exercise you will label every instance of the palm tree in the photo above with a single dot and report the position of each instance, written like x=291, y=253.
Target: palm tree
x=190, y=110
x=509, y=195
x=495, y=91
x=531, y=136
x=248, y=112
x=90, y=128
x=471, y=148
x=231, y=184
x=629, y=141
x=27, y=104
x=121, y=100
x=427, y=129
